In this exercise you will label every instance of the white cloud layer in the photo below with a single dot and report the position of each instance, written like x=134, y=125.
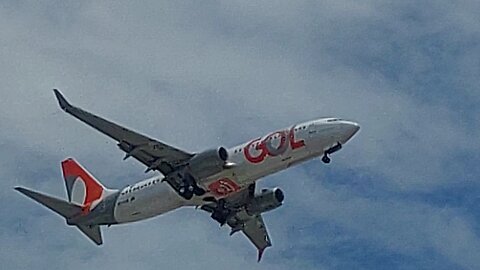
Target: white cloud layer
x=200, y=74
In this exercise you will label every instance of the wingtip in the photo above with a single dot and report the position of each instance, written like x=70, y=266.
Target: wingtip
x=260, y=254
x=61, y=100
x=20, y=189
x=23, y=190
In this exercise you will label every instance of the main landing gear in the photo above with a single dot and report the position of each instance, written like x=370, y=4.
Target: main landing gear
x=189, y=187
x=220, y=213
x=331, y=150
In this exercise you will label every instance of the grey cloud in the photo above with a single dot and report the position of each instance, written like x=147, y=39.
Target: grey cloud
x=201, y=74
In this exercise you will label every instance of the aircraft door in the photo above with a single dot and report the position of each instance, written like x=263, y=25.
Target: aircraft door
x=312, y=130
x=314, y=137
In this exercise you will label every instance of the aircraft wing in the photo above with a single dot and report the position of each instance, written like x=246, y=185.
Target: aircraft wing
x=154, y=154
x=240, y=220
x=254, y=228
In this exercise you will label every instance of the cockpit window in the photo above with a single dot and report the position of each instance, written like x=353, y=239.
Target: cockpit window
x=333, y=120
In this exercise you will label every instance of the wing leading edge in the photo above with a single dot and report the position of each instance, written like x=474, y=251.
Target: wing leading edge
x=154, y=154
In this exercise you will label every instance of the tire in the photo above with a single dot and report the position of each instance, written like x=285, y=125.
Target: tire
x=185, y=193
x=198, y=191
x=188, y=195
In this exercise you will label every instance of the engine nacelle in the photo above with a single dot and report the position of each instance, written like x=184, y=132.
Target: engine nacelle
x=267, y=200
x=208, y=163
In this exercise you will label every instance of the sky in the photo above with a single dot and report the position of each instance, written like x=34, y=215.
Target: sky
x=402, y=194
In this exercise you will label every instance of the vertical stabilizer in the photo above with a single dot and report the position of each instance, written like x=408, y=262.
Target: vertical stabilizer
x=82, y=187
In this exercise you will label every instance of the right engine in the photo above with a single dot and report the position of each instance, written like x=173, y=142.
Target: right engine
x=267, y=200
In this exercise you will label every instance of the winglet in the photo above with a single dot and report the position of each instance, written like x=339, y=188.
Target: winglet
x=260, y=254
x=61, y=100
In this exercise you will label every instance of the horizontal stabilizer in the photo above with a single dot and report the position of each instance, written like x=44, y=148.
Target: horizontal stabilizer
x=93, y=232
x=61, y=207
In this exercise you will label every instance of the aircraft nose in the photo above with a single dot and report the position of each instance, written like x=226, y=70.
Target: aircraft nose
x=350, y=129
x=353, y=127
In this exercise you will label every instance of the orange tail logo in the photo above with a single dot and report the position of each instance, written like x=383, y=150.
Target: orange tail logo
x=82, y=187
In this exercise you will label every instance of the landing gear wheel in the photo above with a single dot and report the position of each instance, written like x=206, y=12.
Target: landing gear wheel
x=219, y=217
x=186, y=192
x=221, y=213
x=330, y=151
x=188, y=195
x=198, y=191
x=189, y=187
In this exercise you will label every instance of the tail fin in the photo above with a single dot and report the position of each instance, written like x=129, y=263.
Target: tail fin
x=82, y=188
x=66, y=210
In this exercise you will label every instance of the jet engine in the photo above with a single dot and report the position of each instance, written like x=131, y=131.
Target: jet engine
x=208, y=163
x=267, y=200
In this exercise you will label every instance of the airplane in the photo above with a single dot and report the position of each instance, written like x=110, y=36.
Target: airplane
x=219, y=181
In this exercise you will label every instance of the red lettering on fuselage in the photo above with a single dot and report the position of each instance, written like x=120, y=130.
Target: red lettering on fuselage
x=265, y=148
x=295, y=144
x=280, y=148
x=223, y=187
x=259, y=146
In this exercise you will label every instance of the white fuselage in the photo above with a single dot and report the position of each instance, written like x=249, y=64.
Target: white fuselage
x=252, y=160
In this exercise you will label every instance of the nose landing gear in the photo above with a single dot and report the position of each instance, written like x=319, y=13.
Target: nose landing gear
x=331, y=150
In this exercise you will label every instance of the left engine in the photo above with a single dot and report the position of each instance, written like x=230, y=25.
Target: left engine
x=208, y=163
x=266, y=200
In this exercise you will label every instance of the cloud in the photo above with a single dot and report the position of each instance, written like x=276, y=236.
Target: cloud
x=198, y=75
